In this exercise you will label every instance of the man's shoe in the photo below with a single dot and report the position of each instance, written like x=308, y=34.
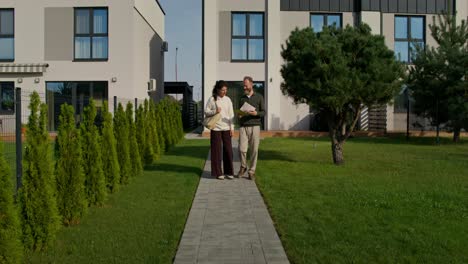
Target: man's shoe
x=230, y=177
x=221, y=177
x=241, y=172
x=252, y=176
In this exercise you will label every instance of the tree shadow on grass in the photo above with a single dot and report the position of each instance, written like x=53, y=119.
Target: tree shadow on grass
x=198, y=152
x=274, y=155
x=167, y=167
x=393, y=140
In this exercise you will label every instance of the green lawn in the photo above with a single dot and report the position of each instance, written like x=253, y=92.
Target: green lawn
x=143, y=222
x=392, y=202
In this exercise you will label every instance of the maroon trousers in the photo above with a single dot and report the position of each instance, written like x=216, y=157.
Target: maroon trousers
x=221, y=148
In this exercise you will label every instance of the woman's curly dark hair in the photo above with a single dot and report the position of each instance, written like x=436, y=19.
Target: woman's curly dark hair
x=218, y=86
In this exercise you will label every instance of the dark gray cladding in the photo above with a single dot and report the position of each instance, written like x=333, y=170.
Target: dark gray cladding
x=386, y=6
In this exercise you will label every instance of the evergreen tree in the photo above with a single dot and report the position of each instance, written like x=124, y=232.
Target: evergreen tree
x=121, y=130
x=141, y=136
x=154, y=130
x=135, y=158
x=71, y=196
x=11, y=250
x=110, y=162
x=159, y=127
x=95, y=181
x=438, y=79
x=38, y=206
x=148, y=154
x=338, y=71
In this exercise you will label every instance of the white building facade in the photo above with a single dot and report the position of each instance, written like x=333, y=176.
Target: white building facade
x=67, y=50
x=244, y=38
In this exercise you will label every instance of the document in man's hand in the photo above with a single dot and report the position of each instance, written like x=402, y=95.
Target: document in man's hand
x=246, y=107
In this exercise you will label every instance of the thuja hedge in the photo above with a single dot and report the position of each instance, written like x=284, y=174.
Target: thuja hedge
x=87, y=167
x=10, y=245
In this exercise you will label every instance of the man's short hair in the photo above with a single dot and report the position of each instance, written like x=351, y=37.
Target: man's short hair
x=248, y=78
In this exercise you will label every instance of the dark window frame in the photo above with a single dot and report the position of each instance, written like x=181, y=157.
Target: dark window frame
x=409, y=38
x=247, y=36
x=3, y=111
x=91, y=33
x=325, y=18
x=9, y=35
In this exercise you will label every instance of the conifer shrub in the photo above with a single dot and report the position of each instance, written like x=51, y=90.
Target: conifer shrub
x=121, y=131
x=95, y=181
x=11, y=250
x=110, y=162
x=38, y=206
x=135, y=159
x=71, y=196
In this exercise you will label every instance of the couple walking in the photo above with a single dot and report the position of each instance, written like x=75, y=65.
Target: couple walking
x=249, y=132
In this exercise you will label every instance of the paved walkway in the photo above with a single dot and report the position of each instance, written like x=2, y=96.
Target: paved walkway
x=229, y=223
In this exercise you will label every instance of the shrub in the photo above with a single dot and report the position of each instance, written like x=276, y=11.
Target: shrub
x=141, y=136
x=123, y=147
x=10, y=245
x=160, y=127
x=38, y=207
x=135, y=158
x=95, y=181
x=149, y=156
x=154, y=130
x=71, y=197
x=110, y=162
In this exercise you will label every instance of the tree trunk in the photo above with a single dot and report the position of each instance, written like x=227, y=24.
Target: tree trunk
x=337, y=152
x=456, y=135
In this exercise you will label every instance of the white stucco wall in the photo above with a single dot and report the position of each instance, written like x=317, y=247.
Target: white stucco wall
x=30, y=38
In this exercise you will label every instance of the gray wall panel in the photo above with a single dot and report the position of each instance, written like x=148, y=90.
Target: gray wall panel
x=304, y=5
x=384, y=5
x=324, y=5
x=314, y=5
x=392, y=6
x=375, y=5
x=335, y=5
x=402, y=6
x=365, y=5
x=441, y=5
x=344, y=6
x=412, y=6
x=294, y=5
x=58, y=35
x=431, y=6
x=421, y=6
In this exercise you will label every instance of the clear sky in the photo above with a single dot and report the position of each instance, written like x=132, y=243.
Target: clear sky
x=183, y=30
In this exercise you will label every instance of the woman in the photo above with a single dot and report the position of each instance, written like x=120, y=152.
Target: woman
x=222, y=133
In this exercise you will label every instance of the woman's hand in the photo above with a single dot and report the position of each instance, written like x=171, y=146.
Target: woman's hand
x=218, y=109
x=231, y=133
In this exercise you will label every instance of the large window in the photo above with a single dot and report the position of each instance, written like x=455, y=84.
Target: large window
x=91, y=34
x=409, y=32
x=236, y=91
x=247, y=42
x=7, y=98
x=7, y=35
x=76, y=94
x=318, y=21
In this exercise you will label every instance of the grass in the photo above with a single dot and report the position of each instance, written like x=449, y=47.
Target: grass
x=392, y=202
x=143, y=222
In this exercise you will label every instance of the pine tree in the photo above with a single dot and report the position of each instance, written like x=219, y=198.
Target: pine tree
x=10, y=244
x=123, y=147
x=338, y=71
x=141, y=136
x=110, y=162
x=38, y=206
x=71, y=196
x=135, y=158
x=95, y=181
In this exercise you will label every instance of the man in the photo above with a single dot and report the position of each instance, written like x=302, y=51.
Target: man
x=249, y=137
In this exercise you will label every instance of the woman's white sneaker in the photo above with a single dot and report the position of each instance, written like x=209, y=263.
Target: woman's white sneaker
x=230, y=177
x=221, y=177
